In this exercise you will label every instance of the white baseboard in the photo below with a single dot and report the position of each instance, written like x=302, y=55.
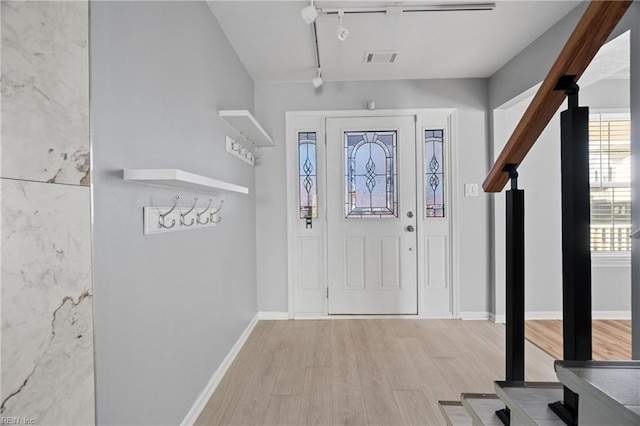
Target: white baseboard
x=472, y=316
x=557, y=315
x=543, y=315
x=498, y=319
x=214, y=381
x=343, y=317
x=273, y=315
x=435, y=315
x=613, y=315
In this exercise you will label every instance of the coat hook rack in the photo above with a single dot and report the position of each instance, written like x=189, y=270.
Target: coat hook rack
x=176, y=218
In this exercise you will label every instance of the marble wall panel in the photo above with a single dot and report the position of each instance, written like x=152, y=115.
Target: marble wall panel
x=45, y=91
x=47, y=331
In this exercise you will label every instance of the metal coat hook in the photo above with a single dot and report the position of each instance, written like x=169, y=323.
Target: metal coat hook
x=236, y=144
x=163, y=216
x=203, y=212
x=182, y=215
x=213, y=213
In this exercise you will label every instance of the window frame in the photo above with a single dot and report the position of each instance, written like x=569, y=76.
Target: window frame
x=610, y=258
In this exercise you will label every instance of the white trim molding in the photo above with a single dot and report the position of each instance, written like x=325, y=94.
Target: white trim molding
x=557, y=315
x=473, y=316
x=498, y=319
x=612, y=315
x=543, y=315
x=217, y=376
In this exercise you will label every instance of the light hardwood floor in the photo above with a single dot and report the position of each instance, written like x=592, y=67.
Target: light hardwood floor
x=361, y=372
x=611, y=338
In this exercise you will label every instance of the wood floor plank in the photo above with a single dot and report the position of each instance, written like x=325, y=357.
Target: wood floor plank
x=223, y=402
x=320, y=345
x=360, y=372
x=611, y=338
x=348, y=401
x=415, y=408
x=380, y=404
x=396, y=366
x=283, y=410
x=254, y=400
x=434, y=383
x=290, y=380
x=317, y=401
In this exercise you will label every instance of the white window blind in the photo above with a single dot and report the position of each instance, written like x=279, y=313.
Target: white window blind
x=610, y=180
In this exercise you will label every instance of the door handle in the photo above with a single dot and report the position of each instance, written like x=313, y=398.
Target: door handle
x=410, y=228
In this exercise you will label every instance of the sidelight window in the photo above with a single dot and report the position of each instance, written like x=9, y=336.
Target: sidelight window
x=307, y=175
x=434, y=173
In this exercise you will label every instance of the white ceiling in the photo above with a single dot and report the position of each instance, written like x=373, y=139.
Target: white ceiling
x=276, y=45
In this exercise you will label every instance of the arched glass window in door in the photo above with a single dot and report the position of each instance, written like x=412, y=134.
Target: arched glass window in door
x=370, y=171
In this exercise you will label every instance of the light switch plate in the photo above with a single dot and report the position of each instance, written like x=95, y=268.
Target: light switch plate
x=470, y=189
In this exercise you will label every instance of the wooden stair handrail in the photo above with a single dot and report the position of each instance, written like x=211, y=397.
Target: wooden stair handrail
x=590, y=34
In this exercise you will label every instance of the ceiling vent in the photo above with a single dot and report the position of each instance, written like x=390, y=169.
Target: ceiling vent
x=380, y=57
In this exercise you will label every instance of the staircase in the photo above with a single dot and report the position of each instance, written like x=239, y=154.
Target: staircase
x=608, y=394
x=588, y=392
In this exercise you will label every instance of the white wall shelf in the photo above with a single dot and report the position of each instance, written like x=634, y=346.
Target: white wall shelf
x=243, y=122
x=175, y=178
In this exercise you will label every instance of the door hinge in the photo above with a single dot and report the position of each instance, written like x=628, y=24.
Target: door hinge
x=327, y=292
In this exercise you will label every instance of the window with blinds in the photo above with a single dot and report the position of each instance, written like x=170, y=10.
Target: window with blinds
x=610, y=180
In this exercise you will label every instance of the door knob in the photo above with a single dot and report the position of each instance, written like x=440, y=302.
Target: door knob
x=409, y=215
x=410, y=228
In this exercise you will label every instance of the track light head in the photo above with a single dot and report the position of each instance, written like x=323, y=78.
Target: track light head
x=309, y=14
x=342, y=32
x=317, y=81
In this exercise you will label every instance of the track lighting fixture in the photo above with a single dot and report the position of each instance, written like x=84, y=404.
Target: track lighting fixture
x=317, y=81
x=309, y=14
x=342, y=32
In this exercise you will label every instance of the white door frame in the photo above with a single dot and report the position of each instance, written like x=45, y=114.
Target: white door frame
x=451, y=194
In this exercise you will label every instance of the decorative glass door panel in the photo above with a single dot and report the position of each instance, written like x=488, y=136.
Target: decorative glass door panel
x=370, y=174
x=434, y=173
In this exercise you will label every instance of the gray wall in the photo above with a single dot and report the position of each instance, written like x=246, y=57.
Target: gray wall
x=634, y=15
x=168, y=307
x=540, y=178
x=468, y=96
x=524, y=71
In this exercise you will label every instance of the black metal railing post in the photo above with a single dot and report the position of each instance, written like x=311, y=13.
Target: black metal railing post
x=514, y=284
x=576, y=251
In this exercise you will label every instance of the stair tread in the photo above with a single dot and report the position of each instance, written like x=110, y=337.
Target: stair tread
x=455, y=413
x=483, y=407
x=531, y=400
x=617, y=382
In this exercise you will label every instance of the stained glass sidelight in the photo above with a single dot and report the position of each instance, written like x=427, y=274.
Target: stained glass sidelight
x=307, y=173
x=434, y=173
x=370, y=174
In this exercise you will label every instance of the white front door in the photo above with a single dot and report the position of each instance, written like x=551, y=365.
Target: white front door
x=371, y=215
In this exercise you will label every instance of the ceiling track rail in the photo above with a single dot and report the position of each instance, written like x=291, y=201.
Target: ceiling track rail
x=468, y=7
x=591, y=32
